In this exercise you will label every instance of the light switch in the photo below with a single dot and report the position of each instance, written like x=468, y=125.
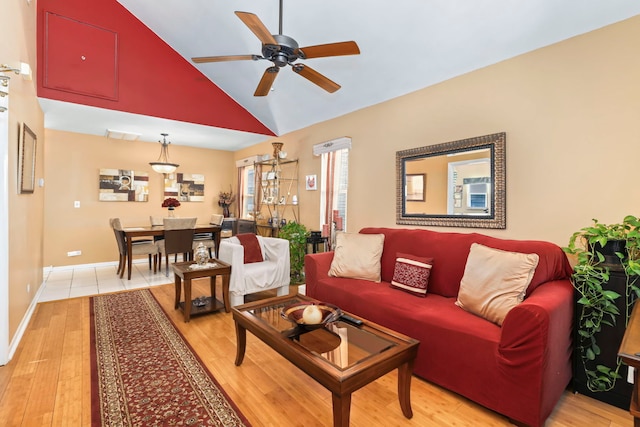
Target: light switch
x=76, y=204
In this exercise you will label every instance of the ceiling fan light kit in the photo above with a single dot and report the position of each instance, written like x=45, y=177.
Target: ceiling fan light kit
x=283, y=50
x=163, y=165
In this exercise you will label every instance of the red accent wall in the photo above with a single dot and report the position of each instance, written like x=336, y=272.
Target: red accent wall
x=96, y=53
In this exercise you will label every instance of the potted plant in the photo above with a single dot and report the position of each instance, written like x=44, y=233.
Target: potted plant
x=225, y=199
x=297, y=235
x=599, y=249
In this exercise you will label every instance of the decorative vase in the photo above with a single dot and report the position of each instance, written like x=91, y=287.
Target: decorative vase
x=277, y=147
x=201, y=254
x=225, y=211
x=171, y=213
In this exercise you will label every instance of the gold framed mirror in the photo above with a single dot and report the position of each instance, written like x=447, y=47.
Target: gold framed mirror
x=463, y=183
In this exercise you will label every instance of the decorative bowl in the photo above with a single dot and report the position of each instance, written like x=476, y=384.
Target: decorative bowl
x=293, y=313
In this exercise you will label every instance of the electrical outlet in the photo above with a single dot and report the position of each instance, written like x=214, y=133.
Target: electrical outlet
x=630, y=374
x=74, y=253
x=76, y=204
x=28, y=288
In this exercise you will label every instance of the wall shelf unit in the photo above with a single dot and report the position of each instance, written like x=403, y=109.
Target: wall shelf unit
x=278, y=194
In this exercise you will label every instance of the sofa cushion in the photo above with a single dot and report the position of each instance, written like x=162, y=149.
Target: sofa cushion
x=252, y=250
x=495, y=281
x=411, y=274
x=357, y=256
x=450, y=250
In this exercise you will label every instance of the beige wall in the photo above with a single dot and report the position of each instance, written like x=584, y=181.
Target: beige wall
x=570, y=112
x=17, y=21
x=73, y=163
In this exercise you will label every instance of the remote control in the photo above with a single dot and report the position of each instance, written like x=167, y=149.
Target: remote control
x=351, y=320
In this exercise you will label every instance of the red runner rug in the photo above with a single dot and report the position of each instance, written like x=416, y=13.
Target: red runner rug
x=143, y=372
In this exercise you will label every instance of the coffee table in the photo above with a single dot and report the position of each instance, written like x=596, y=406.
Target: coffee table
x=183, y=271
x=341, y=356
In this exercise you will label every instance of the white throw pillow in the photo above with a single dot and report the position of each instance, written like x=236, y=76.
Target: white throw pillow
x=495, y=281
x=357, y=256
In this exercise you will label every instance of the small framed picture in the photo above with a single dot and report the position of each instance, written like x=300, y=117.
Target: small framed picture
x=311, y=183
x=26, y=160
x=269, y=200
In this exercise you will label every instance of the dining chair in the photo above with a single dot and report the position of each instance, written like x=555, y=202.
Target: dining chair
x=178, y=239
x=207, y=239
x=138, y=247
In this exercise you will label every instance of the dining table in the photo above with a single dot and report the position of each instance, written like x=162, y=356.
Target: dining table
x=158, y=230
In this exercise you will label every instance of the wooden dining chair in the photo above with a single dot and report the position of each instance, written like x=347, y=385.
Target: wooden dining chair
x=208, y=239
x=138, y=247
x=178, y=239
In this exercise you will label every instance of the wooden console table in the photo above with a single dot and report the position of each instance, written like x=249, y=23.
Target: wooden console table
x=630, y=354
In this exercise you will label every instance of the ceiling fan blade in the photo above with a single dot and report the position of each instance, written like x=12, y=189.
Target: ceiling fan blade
x=266, y=81
x=257, y=27
x=331, y=49
x=202, y=59
x=315, y=77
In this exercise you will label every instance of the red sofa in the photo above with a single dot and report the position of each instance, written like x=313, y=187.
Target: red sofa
x=519, y=370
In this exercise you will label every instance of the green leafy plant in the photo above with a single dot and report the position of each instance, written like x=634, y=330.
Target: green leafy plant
x=297, y=235
x=598, y=305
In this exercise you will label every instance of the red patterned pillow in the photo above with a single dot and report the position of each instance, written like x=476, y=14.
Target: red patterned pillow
x=252, y=251
x=411, y=274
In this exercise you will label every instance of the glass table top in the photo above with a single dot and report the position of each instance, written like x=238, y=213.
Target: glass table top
x=340, y=343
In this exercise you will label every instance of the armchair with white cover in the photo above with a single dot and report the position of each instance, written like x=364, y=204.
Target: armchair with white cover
x=272, y=273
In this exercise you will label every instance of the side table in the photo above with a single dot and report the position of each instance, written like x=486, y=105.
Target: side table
x=183, y=272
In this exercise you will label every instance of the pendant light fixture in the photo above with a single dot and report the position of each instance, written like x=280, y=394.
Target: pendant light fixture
x=163, y=165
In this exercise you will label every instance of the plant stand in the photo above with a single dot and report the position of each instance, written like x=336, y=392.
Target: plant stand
x=608, y=339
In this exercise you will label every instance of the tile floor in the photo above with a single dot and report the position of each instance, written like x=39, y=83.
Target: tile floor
x=61, y=283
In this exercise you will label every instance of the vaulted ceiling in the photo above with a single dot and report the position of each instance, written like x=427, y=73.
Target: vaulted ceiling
x=126, y=64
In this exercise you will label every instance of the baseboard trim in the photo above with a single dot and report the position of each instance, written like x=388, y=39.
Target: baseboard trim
x=22, y=327
x=51, y=268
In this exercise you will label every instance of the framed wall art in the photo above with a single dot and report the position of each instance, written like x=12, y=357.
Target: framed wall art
x=186, y=187
x=123, y=185
x=26, y=160
x=311, y=182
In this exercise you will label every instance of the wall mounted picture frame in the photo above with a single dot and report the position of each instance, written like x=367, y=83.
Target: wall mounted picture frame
x=186, y=187
x=26, y=160
x=311, y=182
x=416, y=185
x=123, y=185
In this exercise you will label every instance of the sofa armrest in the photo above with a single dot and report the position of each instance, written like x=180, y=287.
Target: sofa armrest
x=316, y=267
x=277, y=250
x=274, y=248
x=233, y=253
x=537, y=332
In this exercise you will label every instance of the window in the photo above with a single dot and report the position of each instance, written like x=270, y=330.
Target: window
x=334, y=180
x=247, y=191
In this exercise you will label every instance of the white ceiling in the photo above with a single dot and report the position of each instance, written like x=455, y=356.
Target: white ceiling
x=405, y=45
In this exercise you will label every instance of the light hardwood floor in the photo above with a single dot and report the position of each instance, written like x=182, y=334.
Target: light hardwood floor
x=48, y=383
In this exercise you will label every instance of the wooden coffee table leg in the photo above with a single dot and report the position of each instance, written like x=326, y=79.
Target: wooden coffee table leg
x=178, y=283
x=404, y=388
x=241, y=343
x=341, y=409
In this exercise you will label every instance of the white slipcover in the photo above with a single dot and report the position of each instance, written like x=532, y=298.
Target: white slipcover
x=273, y=272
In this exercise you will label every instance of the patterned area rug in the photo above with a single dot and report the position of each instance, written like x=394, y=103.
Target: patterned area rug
x=143, y=373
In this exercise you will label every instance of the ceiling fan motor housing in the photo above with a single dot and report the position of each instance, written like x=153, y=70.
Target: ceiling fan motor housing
x=285, y=54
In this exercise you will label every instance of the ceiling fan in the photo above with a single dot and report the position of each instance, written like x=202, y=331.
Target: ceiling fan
x=283, y=50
